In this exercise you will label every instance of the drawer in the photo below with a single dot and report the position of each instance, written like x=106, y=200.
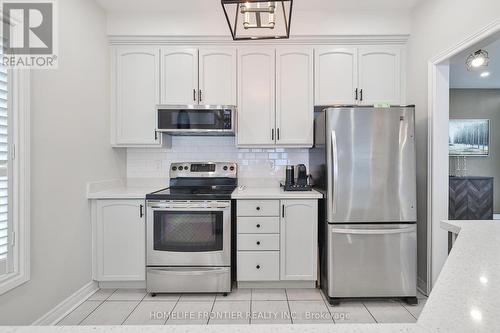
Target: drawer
x=258, y=242
x=258, y=208
x=258, y=266
x=258, y=225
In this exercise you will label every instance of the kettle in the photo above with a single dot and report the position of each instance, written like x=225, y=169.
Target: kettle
x=301, y=175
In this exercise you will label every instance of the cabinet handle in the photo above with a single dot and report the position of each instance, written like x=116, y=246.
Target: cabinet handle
x=258, y=225
x=278, y=133
x=361, y=95
x=141, y=212
x=258, y=266
x=283, y=211
x=156, y=135
x=200, y=95
x=272, y=134
x=194, y=95
x=356, y=94
x=258, y=208
x=258, y=242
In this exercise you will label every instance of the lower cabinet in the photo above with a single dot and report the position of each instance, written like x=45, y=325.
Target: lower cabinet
x=277, y=240
x=119, y=240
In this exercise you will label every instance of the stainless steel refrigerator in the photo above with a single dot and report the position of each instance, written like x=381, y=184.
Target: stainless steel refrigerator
x=363, y=160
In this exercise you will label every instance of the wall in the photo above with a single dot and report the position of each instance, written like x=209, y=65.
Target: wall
x=436, y=26
x=480, y=104
x=69, y=147
x=259, y=167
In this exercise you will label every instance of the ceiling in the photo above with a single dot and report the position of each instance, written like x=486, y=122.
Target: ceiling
x=460, y=77
x=187, y=5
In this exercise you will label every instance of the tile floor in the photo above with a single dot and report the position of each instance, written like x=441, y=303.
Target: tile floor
x=242, y=306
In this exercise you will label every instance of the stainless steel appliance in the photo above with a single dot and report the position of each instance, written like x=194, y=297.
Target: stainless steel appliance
x=188, y=230
x=363, y=160
x=196, y=119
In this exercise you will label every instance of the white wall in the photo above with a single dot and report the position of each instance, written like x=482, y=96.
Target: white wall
x=69, y=147
x=436, y=26
x=213, y=22
x=258, y=167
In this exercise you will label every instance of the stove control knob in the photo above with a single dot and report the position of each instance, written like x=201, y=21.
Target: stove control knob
x=224, y=168
x=231, y=168
x=174, y=168
x=180, y=168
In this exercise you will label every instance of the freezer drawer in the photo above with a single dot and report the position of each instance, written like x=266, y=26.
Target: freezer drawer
x=372, y=260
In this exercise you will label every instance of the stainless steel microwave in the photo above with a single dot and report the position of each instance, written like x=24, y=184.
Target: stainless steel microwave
x=196, y=119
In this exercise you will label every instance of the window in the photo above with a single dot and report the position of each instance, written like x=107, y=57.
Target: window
x=14, y=177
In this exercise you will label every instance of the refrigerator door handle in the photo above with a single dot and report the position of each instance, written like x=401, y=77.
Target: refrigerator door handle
x=333, y=176
x=372, y=231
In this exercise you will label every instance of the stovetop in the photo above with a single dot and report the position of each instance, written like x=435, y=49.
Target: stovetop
x=193, y=193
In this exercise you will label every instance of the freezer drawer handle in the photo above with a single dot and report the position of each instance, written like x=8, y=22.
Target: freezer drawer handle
x=372, y=231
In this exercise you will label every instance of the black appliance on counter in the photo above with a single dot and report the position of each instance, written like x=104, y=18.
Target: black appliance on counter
x=301, y=183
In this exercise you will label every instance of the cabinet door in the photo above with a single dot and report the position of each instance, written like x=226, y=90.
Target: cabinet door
x=120, y=247
x=256, y=97
x=217, y=76
x=294, y=97
x=380, y=75
x=299, y=240
x=336, y=76
x=136, y=88
x=179, y=76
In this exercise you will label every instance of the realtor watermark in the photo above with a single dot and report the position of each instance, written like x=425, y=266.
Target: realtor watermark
x=29, y=31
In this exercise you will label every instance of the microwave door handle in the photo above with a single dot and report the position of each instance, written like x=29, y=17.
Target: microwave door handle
x=333, y=171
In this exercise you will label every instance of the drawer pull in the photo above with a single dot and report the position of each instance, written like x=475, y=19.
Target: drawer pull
x=258, y=208
x=258, y=266
x=258, y=242
x=258, y=225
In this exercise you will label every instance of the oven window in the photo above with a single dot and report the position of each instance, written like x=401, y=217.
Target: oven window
x=178, y=231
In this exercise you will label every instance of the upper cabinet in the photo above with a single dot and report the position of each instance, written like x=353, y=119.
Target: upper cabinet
x=198, y=76
x=217, y=74
x=179, y=76
x=294, y=97
x=365, y=75
x=135, y=94
x=275, y=97
x=256, y=97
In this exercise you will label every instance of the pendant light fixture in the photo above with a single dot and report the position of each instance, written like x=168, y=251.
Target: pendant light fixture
x=477, y=60
x=258, y=19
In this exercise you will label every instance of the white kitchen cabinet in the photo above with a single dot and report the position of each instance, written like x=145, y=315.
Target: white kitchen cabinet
x=179, y=76
x=299, y=240
x=294, y=97
x=363, y=76
x=135, y=94
x=380, y=75
x=336, y=73
x=217, y=76
x=256, y=97
x=119, y=245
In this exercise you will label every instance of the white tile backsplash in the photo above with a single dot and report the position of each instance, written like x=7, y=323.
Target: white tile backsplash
x=253, y=164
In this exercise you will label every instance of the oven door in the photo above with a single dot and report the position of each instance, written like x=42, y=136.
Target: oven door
x=188, y=233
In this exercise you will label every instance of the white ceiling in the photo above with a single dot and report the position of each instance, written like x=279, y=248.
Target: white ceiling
x=187, y=5
x=460, y=77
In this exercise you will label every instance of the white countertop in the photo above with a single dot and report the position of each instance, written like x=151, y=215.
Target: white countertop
x=276, y=192
x=466, y=297
x=124, y=189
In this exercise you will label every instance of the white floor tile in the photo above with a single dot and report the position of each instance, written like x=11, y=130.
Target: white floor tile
x=415, y=310
x=268, y=295
x=150, y=313
x=80, y=313
x=389, y=312
x=310, y=312
x=351, y=312
x=309, y=294
x=101, y=294
x=270, y=312
x=111, y=313
x=197, y=298
x=190, y=313
x=236, y=295
x=127, y=295
x=230, y=312
x=162, y=297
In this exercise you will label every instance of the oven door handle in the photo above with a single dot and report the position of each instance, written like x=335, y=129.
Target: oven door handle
x=196, y=209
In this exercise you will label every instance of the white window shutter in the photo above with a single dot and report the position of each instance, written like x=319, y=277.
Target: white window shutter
x=4, y=169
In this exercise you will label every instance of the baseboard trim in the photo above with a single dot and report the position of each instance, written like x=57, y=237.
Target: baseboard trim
x=276, y=284
x=122, y=284
x=422, y=286
x=69, y=304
